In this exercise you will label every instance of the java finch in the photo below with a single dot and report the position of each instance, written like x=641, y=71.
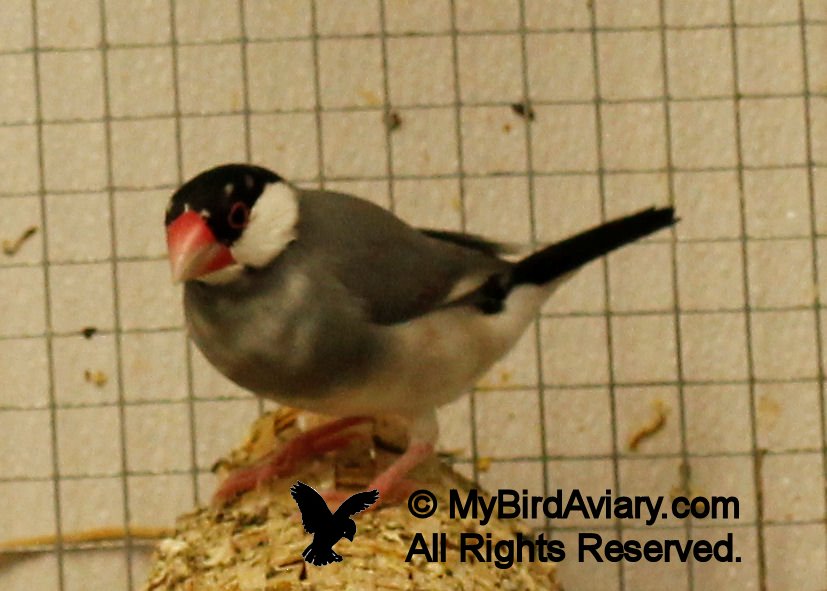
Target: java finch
x=329, y=303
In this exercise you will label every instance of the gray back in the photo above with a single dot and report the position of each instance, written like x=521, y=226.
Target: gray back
x=397, y=271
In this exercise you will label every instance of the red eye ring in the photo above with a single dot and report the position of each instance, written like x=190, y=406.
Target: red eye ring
x=239, y=209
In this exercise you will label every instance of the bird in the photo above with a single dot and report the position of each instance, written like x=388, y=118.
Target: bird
x=328, y=528
x=329, y=303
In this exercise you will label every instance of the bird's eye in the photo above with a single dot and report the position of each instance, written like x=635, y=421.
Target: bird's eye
x=239, y=215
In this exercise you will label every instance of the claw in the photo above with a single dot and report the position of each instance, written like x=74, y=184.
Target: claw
x=286, y=461
x=392, y=484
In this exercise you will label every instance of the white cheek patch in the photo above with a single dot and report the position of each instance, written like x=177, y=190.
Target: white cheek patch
x=272, y=226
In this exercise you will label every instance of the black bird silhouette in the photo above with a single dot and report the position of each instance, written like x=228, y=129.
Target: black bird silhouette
x=328, y=528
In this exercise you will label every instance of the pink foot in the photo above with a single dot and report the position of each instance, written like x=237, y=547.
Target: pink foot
x=285, y=461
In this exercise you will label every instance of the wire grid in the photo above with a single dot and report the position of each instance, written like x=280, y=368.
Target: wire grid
x=619, y=578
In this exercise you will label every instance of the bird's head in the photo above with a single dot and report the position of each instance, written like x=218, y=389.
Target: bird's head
x=349, y=529
x=226, y=219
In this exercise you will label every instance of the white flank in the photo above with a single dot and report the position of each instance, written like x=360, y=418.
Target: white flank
x=271, y=228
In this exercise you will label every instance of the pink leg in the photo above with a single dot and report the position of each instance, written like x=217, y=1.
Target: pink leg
x=285, y=461
x=392, y=482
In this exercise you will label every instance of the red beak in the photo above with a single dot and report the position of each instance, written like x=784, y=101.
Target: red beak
x=193, y=249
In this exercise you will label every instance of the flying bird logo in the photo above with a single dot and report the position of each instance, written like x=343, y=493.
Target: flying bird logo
x=328, y=528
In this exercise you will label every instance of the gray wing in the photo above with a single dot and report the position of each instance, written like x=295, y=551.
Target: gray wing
x=396, y=271
x=472, y=241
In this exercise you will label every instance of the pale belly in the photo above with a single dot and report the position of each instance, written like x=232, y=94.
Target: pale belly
x=432, y=361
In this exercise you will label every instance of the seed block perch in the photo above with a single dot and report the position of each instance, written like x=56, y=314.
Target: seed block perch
x=256, y=541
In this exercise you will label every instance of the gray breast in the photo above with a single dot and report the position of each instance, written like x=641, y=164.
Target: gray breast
x=276, y=333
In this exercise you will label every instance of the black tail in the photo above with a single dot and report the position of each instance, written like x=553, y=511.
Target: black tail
x=569, y=254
